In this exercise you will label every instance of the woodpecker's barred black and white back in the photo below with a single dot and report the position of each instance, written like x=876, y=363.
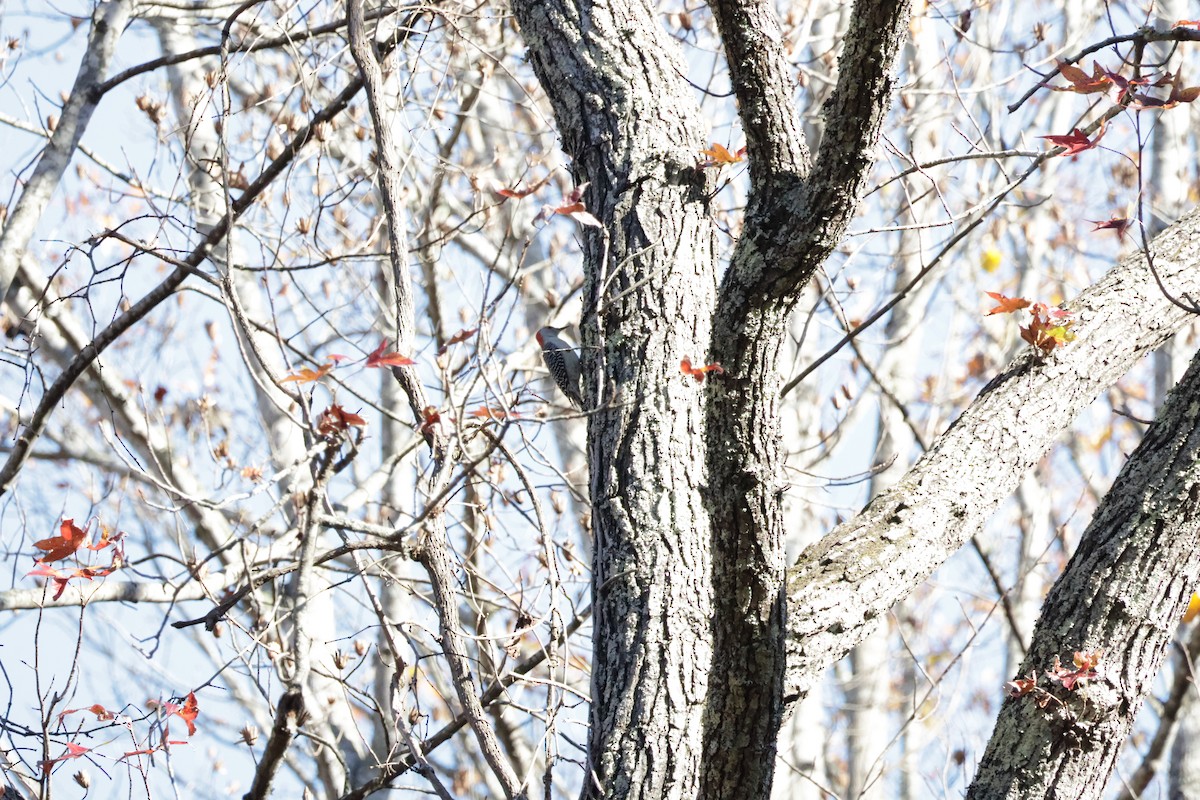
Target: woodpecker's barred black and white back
x=562, y=360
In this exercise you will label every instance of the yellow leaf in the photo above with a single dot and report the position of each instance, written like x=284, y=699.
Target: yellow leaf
x=1193, y=608
x=991, y=260
x=1061, y=334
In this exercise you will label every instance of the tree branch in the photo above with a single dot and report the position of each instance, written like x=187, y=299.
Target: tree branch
x=762, y=80
x=391, y=771
x=1182, y=684
x=289, y=39
x=54, y=395
x=792, y=226
x=853, y=576
x=116, y=592
x=107, y=26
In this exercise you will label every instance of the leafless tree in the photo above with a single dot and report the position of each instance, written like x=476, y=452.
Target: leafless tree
x=269, y=275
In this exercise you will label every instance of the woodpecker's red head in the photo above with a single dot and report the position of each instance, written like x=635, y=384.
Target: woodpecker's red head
x=548, y=332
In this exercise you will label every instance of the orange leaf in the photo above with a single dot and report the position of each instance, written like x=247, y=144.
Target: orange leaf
x=976, y=366
x=309, y=375
x=63, y=545
x=1081, y=82
x=189, y=711
x=379, y=358
x=698, y=373
x=1088, y=659
x=1193, y=608
x=718, y=155
x=487, y=412
x=1007, y=304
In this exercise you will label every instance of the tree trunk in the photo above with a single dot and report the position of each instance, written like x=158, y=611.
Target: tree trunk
x=649, y=294
x=1121, y=597
x=688, y=561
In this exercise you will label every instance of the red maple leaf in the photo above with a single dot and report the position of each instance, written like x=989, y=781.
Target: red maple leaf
x=73, y=751
x=380, y=358
x=573, y=207
x=461, y=336
x=336, y=419
x=1075, y=142
x=63, y=545
x=432, y=418
x=516, y=194
x=1179, y=94
x=46, y=571
x=102, y=713
x=107, y=538
x=1046, y=334
x=1118, y=224
x=1019, y=687
x=1085, y=664
x=189, y=711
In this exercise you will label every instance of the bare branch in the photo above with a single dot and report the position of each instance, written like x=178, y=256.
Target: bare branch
x=54, y=394
x=107, y=26
x=111, y=591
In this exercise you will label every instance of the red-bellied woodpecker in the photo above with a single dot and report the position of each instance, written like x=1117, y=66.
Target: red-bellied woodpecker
x=562, y=361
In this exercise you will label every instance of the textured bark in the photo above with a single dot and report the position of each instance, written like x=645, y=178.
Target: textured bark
x=795, y=218
x=689, y=568
x=688, y=558
x=1122, y=593
x=632, y=128
x=841, y=586
x=1176, y=713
